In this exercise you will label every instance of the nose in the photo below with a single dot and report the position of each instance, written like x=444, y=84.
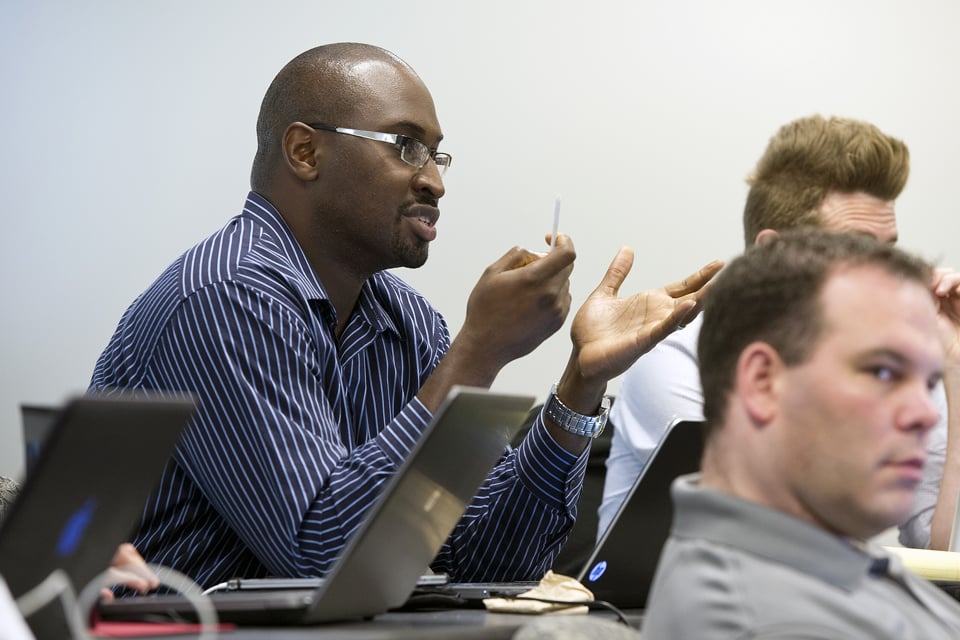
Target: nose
x=427, y=178
x=919, y=412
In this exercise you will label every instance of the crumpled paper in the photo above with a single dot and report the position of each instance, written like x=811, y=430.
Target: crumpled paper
x=553, y=586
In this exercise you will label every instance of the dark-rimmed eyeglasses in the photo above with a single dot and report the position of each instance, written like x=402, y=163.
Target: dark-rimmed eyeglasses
x=412, y=151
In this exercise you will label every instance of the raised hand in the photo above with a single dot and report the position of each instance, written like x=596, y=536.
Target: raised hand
x=520, y=300
x=609, y=333
x=946, y=290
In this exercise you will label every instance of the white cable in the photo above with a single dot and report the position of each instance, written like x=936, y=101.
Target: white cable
x=55, y=586
x=206, y=613
x=217, y=587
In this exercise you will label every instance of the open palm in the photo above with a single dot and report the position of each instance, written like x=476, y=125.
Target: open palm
x=609, y=333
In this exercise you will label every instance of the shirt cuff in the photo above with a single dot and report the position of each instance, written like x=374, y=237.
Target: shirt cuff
x=551, y=472
x=400, y=436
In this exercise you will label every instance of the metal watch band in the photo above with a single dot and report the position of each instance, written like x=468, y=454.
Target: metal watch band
x=569, y=420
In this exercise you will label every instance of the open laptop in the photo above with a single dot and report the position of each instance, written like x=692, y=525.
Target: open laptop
x=621, y=568
x=38, y=421
x=100, y=460
x=383, y=561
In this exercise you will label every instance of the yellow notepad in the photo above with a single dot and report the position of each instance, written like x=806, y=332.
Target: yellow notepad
x=939, y=566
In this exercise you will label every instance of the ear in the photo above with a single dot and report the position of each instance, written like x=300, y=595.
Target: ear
x=757, y=384
x=764, y=235
x=299, y=151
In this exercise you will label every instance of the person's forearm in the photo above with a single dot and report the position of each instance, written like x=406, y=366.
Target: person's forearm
x=944, y=513
x=521, y=516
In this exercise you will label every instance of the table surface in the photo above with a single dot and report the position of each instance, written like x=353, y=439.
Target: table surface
x=463, y=624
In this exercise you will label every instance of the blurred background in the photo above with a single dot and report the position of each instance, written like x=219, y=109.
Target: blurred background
x=128, y=133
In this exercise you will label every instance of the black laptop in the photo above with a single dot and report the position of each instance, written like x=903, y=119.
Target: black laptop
x=384, y=560
x=38, y=421
x=621, y=568
x=97, y=465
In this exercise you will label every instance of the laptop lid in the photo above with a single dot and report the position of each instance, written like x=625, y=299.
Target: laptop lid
x=621, y=568
x=100, y=460
x=37, y=422
x=383, y=561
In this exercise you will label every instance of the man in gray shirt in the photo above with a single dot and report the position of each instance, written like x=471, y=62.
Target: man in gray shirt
x=818, y=356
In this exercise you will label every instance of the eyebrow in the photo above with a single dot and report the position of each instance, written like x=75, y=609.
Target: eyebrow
x=418, y=132
x=896, y=357
x=884, y=352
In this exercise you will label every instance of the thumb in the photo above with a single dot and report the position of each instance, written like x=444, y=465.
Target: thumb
x=616, y=273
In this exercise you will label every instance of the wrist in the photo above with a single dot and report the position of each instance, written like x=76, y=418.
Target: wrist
x=579, y=392
x=473, y=364
x=588, y=425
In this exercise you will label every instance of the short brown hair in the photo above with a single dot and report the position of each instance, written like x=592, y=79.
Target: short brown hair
x=771, y=294
x=811, y=156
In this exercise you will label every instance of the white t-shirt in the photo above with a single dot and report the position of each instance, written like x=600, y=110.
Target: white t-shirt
x=12, y=624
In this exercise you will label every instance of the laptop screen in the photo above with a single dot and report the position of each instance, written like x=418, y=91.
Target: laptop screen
x=622, y=566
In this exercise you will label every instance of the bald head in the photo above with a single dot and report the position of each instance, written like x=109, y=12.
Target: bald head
x=323, y=84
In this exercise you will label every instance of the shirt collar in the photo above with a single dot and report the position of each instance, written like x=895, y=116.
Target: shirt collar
x=756, y=530
x=261, y=210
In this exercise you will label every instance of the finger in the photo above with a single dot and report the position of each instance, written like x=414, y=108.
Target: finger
x=695, y=308
x=126, y=554
x=683, y=313
x=677, y=319
x=133, y=577
x=948, y=307
x=528, y=257
x=136, y=567
x=518, y=257
x=946, y=282
x=561, y=237
x=616, y=273
x=548, y=265
x=563, y=240
x=515, y=258
x=695, y=281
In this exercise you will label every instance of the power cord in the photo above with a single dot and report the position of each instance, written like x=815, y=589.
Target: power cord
x=206, y=613
x=76, y=609
x=56, y=586
x=217, y=587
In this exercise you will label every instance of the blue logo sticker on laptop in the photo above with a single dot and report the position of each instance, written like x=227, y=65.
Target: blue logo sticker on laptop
x=76, y=526
x=597, y=571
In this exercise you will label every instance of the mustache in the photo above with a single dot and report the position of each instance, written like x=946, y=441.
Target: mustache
x=427, y=200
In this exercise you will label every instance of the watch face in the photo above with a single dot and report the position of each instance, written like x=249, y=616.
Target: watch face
x=577, y=423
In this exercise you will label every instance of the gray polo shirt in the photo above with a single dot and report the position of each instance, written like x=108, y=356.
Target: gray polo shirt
x=734, y=569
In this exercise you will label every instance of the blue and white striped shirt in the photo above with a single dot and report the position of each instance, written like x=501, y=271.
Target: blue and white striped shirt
x=297, y=432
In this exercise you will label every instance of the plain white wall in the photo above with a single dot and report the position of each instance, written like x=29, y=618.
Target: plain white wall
x=128, y=132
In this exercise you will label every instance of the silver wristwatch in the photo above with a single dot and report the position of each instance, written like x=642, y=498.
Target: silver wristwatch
x=569, y=420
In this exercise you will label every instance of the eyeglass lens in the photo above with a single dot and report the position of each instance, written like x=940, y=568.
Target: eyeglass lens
x=414, y=152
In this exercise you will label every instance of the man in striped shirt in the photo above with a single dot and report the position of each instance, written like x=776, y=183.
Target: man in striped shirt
x=316, y=369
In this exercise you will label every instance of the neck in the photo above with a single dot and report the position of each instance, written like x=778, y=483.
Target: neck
x=341, y=279
x=343, y=296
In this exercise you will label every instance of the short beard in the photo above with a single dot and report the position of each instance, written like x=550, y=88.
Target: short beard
x=410, y=256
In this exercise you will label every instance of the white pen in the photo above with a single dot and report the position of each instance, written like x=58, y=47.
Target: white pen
x=556, y=223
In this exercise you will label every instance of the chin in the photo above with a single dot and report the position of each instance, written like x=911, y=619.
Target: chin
x=867, y=523
x=889, y=519
x=415, y=259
